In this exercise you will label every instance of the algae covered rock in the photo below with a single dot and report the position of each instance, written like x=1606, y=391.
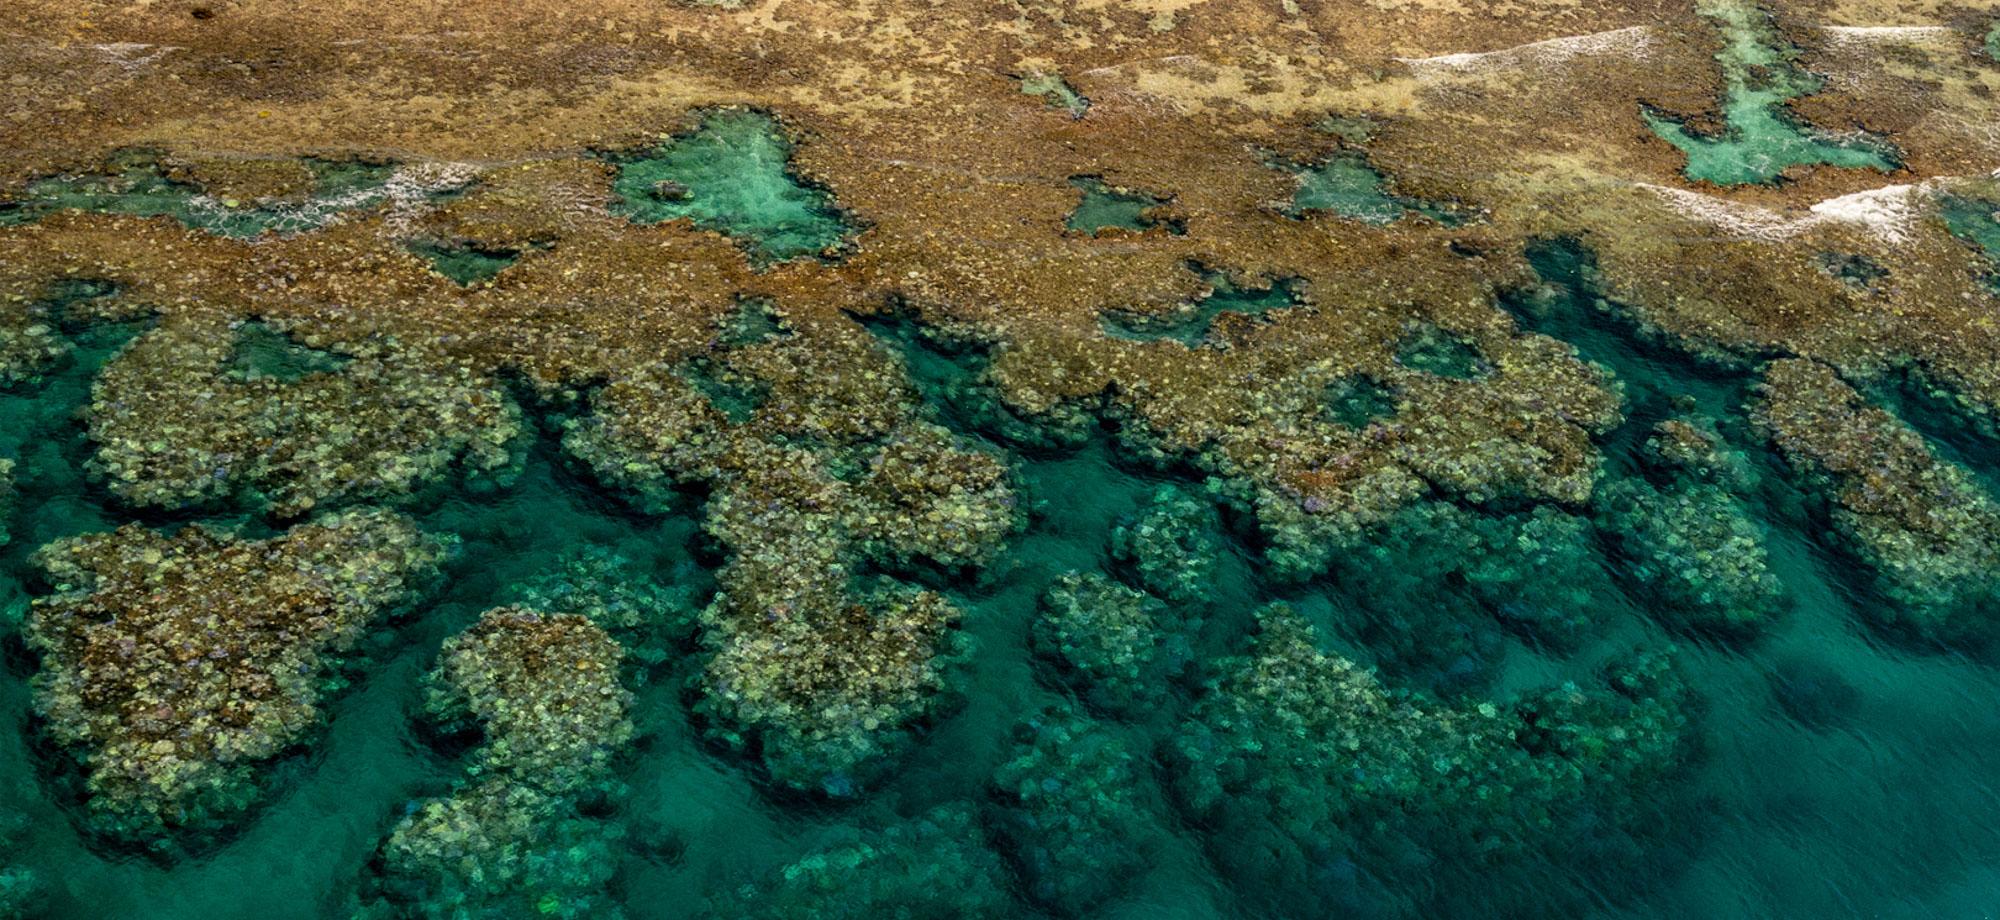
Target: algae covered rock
x=174, y=665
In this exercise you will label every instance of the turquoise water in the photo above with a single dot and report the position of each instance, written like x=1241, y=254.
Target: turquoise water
x=465, y=264
x=1056, y=92
x=731, y=174
x=1099, y=761
x=1972, y=220
x=138, y=182
x=1761, y=138
x=1347, y=185
x=1191, y=323
x=1104, y=208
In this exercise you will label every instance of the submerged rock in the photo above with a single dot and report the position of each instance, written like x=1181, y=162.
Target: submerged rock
x=1813, y=693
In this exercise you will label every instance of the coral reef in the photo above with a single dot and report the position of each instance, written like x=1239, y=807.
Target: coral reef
x=23, y=892
x=510, y=841
x=1317, y=783
x=1921, y=524
x=1074, y=812
x=824, y=275
x=1762, y=138
x=823, y=677
x=173, y=666
x=175, y=429
x=931, y=868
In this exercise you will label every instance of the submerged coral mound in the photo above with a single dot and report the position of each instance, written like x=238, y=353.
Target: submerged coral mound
x=1318, y=784
x=1074, y=811
x=544, y=691
x=1923, y=525
x=1432, y=589
x=1173, y=546
x=1691, y=543
x=175, y=665
x=824, y=683
x=931, y=866
x=1121, y=648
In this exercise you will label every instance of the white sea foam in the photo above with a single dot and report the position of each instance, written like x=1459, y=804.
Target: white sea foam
x=1887, y=212
x=1634, y=41
x=134, y=55
x=1841, y=35
x=408, y=190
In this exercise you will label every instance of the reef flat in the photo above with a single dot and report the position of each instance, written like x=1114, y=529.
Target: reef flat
x=999, y=458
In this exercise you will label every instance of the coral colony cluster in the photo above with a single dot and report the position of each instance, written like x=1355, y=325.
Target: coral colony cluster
x=999, y=452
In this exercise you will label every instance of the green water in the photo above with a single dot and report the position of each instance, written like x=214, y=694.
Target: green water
x=731, y=174
x=1104, y=208
x=1345, y=184
x=1972, y=219
x=1055, y=92
x=1434, y=351
x=1835, y=774
x=263, y=353
x=466, y=264
x=137, y=182
x=1761, y=138
x=1191, y=323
